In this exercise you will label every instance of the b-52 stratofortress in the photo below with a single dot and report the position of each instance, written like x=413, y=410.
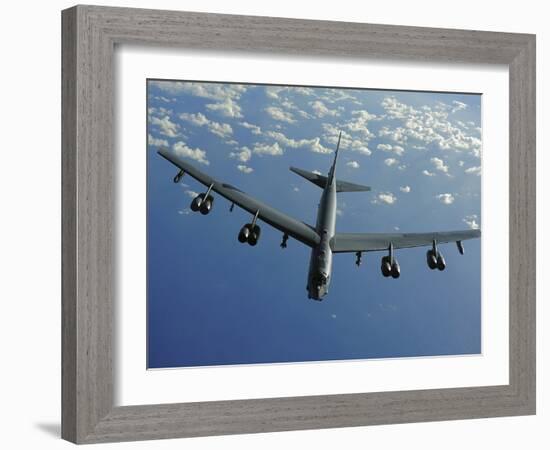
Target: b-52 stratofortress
x=323, y=239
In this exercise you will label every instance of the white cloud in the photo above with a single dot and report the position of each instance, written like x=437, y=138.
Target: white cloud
x=471, y=221
x=303, y=90
x=405, y=189
x=347, y=141
x=191, y=193
x=397, y=149
x=265, y=149
x=474, y=170
x=225, y=95
x=390, y=162
x=458, y=106
x=359, y=124
x=321, y=110
x=446, y=199
x=255, y=129
x=273, y=91
x=337, y=95
x=212, y=91
x=155, y=142
x=439, y=165
x=353, y=164
x=243, y=155
x=196, y=154
x=428, y=173
x=219, y=129
x=397, y=109
x=159, y=111
x=227, y=108
x=280, y=115
x=428, y=125
x=245, y=169
x=387, y=197
x=461, y=163
x=167, y=127
x=312, y=144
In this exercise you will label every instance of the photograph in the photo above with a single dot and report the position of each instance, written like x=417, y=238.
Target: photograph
x=290, y=224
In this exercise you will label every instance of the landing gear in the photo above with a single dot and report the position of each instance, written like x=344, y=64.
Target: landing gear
x=389, y=265
x=285, y=239
x=358, y=256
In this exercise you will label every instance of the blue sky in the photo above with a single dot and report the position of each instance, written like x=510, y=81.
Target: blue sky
x=214, y=301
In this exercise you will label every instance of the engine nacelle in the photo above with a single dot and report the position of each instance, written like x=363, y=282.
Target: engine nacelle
x=244, y=233
x=202, y=203
x=249, y=233
x=197, y=202
x=206, y=205
x=385, y=266
x=254, y=236
x=431, y=259
x=441, y=262
x=395, y=269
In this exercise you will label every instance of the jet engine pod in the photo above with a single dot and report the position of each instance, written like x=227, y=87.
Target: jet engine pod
x=441, y=262
x=385, y=266
x=197, y=202
x=206, y=205
x=244, y=233
x=431, y=259
x=395, y=269
x=254, y=236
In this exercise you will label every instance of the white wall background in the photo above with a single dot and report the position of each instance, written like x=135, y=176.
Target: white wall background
x=31, y=208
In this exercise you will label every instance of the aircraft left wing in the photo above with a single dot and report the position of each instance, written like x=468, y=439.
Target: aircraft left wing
x=282, y=222
x=372, y=242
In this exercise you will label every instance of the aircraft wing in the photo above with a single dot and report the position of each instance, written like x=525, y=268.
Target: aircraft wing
x=282, y=222
x=372, y=242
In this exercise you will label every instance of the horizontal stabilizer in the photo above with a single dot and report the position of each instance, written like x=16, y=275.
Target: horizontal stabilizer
x=315, y=178
x=321, y=181
x=346, y=186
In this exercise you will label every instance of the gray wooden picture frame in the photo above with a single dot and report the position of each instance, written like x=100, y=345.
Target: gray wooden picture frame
x=90, y=34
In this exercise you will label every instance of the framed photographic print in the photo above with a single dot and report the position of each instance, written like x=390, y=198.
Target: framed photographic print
x=256, y=209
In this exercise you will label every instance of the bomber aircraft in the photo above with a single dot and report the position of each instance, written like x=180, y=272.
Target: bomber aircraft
x=323, y=239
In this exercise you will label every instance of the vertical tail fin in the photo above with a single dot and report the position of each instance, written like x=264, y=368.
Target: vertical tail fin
x=333, y=168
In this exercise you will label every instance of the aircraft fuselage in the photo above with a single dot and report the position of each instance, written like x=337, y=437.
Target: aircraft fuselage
x=320, y=263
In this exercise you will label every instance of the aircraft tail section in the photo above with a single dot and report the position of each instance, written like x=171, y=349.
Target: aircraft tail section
x=315, y=178
x=321, y=181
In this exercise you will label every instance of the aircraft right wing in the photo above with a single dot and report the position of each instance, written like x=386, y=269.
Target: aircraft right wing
x=288, y=225
x=372, y=242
